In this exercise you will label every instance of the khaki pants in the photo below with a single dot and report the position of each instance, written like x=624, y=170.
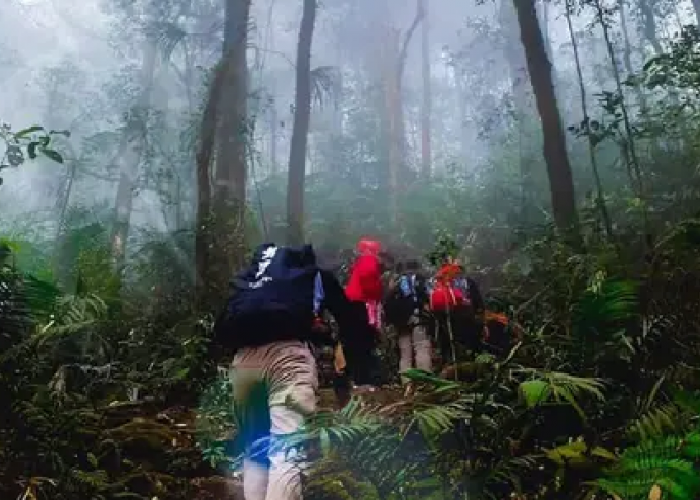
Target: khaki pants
x=275, y=387
x=415, y=346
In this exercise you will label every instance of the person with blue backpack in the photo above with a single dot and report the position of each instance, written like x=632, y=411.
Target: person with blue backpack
x=271, y=323
x=405, y=310
x=458, y=308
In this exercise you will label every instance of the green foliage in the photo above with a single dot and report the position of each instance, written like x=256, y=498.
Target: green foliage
x=29, y=142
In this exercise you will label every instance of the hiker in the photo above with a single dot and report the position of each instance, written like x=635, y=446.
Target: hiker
x=501, y=332
x=364, y=290
x=405, y=311
x=331, y=356
x=270, y=323
x=458, y=307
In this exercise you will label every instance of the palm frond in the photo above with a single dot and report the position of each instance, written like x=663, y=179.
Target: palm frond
x=607, y=303
x=558, y=387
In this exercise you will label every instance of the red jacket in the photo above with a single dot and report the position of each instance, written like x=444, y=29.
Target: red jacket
x=365, y=283
x=444, y=296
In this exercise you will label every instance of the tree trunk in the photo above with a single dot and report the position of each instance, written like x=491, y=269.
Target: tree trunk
x=600, y=194
x=399, y=121
x=426, y=110
x=272, y=112
x=394, y=138
x=465, y=146
x=300, y=131
x=696, y=9
x=337, y=118
x=233, y=135
x=221, y=225
x=517, y=67
x=205, y=154
x=394, y=58
x=627, y=46
x=129, y=156
x=555, y=154
x=649, y=25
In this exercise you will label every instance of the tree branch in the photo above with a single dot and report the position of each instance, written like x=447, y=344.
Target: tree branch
x=403, y=54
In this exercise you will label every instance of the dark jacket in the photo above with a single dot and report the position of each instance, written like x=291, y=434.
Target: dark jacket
x=277, y=322
x=400, y=305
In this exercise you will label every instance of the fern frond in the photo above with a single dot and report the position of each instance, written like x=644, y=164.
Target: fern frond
x=667, y=419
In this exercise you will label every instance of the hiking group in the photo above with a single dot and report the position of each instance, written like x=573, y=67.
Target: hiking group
x=278, y=318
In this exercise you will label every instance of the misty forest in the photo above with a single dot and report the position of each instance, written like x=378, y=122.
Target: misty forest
x=148, y=145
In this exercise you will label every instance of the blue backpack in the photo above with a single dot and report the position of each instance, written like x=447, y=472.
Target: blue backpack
x=275, y=298
x=462, y=284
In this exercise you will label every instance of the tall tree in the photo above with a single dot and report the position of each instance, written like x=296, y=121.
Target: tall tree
x=696, y=9
x=300, y=130
x=522, y=100
x=426, y=109
x=395, y=55
x=130, y=152
x=220, y=244
x=555, y=154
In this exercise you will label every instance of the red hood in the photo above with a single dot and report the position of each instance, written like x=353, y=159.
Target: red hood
x=365, y=283
x=368, y=247
x=447, y=273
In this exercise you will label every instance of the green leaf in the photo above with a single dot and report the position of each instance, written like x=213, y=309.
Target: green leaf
x=27, y=131
x=535, y=392
x=54, y=155
x=578, y=453
x=31, y=149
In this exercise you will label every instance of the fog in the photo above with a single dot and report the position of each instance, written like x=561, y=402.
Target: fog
x=76, y=66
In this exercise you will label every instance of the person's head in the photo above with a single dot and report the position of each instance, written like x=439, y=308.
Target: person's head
x=367, y=246
x=386, y=260
x=412, y=266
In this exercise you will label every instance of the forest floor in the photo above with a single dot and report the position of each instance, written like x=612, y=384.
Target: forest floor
x=149, y=431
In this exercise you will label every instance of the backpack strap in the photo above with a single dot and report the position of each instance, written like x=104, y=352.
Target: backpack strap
x=319, y=293
x=405, y=286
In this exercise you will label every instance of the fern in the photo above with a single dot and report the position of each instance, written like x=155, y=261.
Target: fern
x=667, y=463
x=659, y=422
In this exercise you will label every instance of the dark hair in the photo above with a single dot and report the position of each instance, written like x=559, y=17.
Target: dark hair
x=412, y=265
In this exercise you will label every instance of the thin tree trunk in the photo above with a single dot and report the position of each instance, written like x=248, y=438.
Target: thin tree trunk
x=555, y=153
x=400, y=124
x=517, y=67
x=426, y=110
x=462, y=106
x=273, y=134
x=696, y=9
x=649, y=25
x=600, y=194
x=393, y=117
x=629, y=149
x=627, y=52
x=129, y=156
x=600, y=14
x=627, y=49
x=300, y=131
